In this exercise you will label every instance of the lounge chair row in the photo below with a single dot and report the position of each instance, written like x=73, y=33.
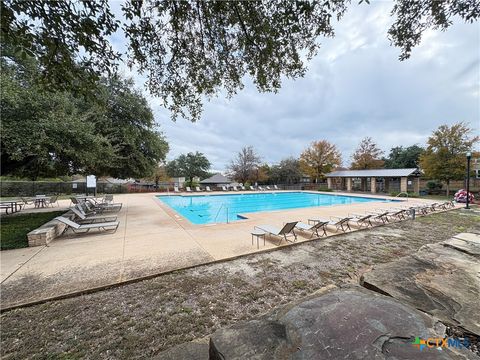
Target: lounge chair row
x=41, y=201
x=225, y=188
x=318, y=226
x=91, y=214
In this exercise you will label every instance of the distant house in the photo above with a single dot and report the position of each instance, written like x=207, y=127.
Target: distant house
x=115, y=181
x=375, y=180
x=104, y=180
x=217, y=180
x=178, y=181
x=476, y=167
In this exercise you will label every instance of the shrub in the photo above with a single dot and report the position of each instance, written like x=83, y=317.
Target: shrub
x=323, y=188
x=191, y=184
x=434, y=185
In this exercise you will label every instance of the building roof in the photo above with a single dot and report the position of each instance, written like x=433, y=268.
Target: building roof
x=375, y=173
x=216, y=179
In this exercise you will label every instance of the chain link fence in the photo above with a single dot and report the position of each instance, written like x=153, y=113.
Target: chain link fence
x=32, y=188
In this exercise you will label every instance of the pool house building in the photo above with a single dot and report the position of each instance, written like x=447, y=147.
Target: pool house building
x=217, y=181
x=375, y=180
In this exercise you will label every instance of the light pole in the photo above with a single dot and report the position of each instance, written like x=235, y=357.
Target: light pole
x=469, y=156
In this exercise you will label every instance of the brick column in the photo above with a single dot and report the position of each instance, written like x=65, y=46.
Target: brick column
x=373, y=185
x=416, y=185
x=403, y=184
x=349, y=184
x=329, y=183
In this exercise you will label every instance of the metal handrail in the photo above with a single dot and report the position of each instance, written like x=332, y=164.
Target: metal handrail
x=218, y=212
x=403, y=192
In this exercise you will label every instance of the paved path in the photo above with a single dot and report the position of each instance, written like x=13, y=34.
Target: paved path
x=151, y=239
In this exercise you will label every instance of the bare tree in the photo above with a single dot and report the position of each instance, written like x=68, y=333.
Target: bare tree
x=245, y=164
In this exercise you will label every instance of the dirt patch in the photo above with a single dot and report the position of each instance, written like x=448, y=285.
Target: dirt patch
x=142, y=319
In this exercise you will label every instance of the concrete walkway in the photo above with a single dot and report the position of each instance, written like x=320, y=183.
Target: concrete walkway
x=151, y=239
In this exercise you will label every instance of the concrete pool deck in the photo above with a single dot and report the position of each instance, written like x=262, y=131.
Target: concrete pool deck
x=151, y=239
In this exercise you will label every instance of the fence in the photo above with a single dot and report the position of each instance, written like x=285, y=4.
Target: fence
x=32, y=188
x=455, y=185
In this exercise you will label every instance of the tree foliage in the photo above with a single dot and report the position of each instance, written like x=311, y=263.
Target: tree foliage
x=445, y=156
x=189, y=166
x=205, y=46
x=288, y=171
x=192, y=50
x=123, y=116
x=57, y=133
x=245, y=165
x=403, y=157
x=320, y=158
x=367, y=156
x=414, y=17
x=69, y=39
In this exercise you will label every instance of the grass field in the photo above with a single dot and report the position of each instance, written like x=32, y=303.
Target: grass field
x=14, y=228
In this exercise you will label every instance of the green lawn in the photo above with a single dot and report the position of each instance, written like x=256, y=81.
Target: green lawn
x=14, y=228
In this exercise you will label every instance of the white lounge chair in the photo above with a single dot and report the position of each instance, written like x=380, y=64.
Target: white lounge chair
x=380, y=215
x=396, y=214
x=208, y=188
x=340, y=223
x=224, y=188
x=261, y=189
x=111, y=226
x=268, y=187
x=84, y=218
x=108, y=198
x=313, y=228
x=51, y=201
x=275, y=187
x=361, y=219
x=234, y=188
x=175, y=189
x=188, y=189
x=197, y=189
x=287, y=230
x=101, y=207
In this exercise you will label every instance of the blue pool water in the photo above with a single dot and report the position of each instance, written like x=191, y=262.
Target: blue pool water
x=210, y=209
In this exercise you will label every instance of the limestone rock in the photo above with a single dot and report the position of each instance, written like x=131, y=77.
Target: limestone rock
x=350, y=323
x=440, y=279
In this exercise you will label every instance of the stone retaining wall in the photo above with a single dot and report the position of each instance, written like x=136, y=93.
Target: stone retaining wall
x=47, y=232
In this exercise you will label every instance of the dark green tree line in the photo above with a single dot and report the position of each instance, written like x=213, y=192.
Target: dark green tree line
x=189, y=166
x=55, y=133
x=403, y=157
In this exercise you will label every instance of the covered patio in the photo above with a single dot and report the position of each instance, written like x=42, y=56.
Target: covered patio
x=376, y=180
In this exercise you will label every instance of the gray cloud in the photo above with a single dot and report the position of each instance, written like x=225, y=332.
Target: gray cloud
x=355, y=87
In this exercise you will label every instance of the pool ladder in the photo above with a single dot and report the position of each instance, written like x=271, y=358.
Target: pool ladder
x=218, y=212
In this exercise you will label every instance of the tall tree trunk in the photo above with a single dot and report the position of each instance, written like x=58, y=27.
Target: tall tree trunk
x=448, y=188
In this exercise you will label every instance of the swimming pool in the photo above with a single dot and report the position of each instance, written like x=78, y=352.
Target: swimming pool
x=209, y=209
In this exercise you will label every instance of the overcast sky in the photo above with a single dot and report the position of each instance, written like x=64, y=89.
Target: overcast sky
x=355, y=87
